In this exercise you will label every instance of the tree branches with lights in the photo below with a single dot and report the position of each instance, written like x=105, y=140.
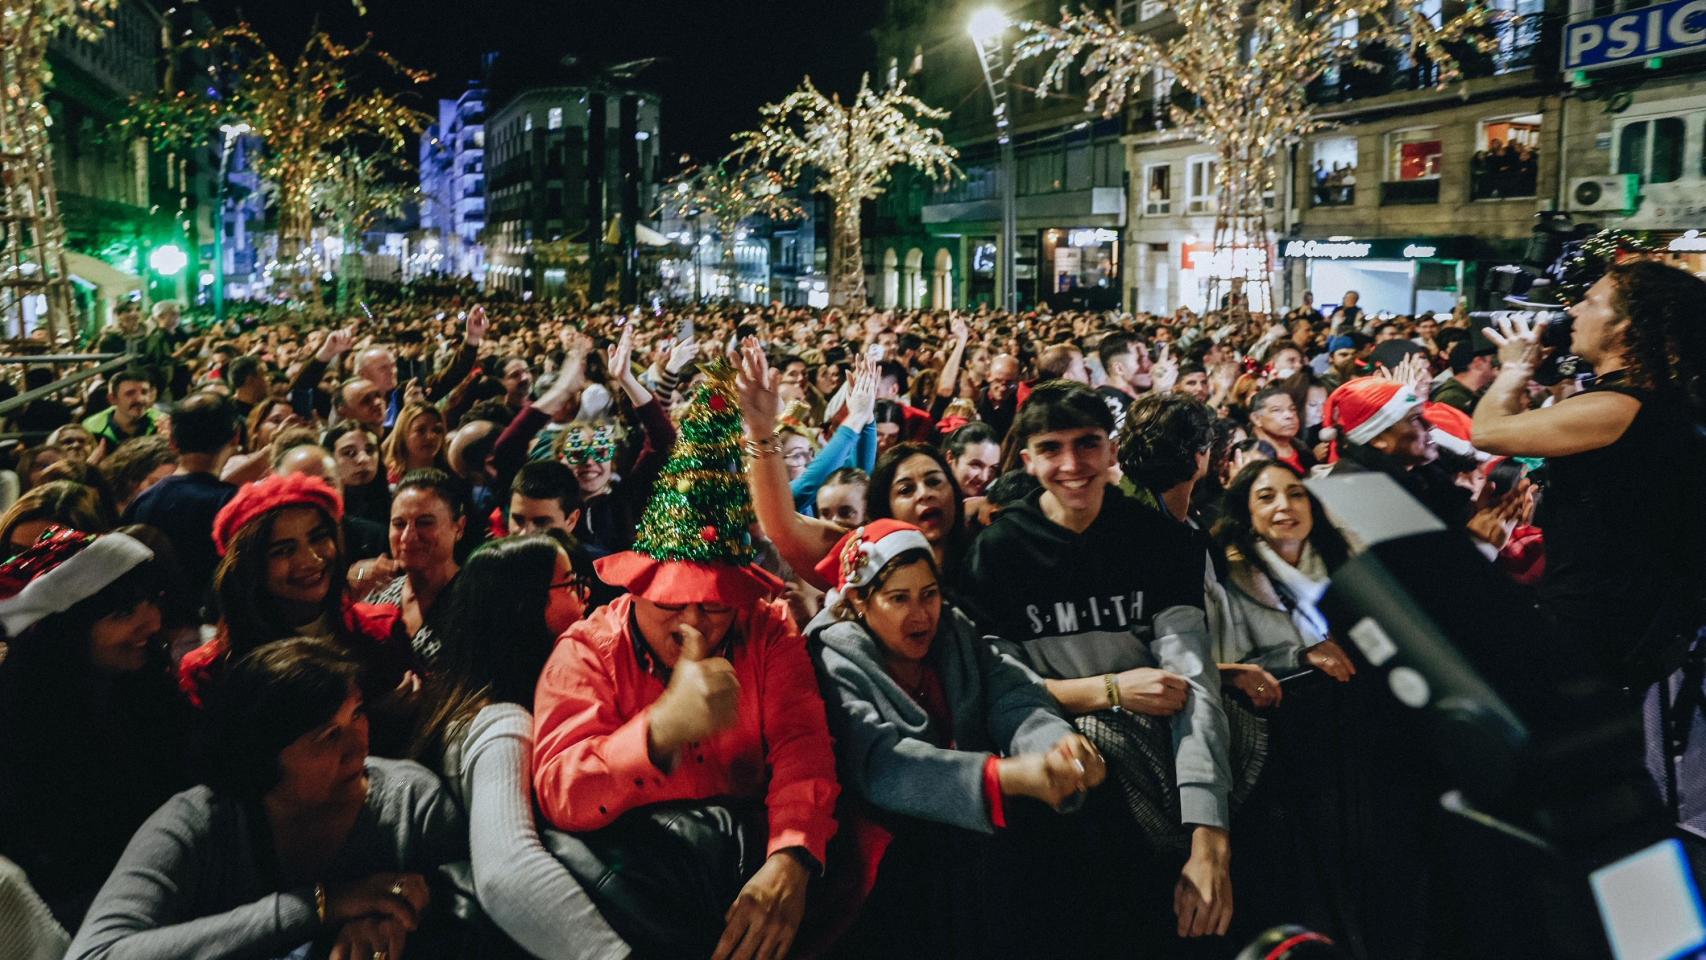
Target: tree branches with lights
x=727, y=193
x=306, y=112
x=1247, y=69
x=32, y=234
x=851, y=149
x=354, y=191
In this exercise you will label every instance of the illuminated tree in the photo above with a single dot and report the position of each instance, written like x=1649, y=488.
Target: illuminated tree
x=852, y=150
x=354, y=192
x=305, y=112
x=728, y=193
x=1247, y=69
x=32, y=234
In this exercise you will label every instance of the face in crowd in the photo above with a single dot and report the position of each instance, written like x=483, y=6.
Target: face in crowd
x=976, y=466
x=1276, y=417
x=301, y=558
x=424, y=530
x=358, y=458
x=923, y=496
x=902, y=608
x=1072, y=465
x=1279, y=507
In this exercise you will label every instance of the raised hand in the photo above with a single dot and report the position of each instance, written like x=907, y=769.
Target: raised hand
x=861, y=395
x=337, y=343
x=1164, y=371
x=474, y=326
x=757, y=384
x=1518, y=340
x=958, y=327
x=682, y=354
x=621, y=356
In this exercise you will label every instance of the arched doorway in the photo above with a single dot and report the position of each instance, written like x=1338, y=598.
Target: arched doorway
x=942, y=281
x=889, y=289
x=912, y=280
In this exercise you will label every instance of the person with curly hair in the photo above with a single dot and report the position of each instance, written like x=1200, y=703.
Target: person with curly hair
x=1622, y=510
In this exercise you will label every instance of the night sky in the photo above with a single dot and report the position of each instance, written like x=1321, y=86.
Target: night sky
x=721, y=58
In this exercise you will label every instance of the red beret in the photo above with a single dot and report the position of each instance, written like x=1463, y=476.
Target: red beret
x=273, y=493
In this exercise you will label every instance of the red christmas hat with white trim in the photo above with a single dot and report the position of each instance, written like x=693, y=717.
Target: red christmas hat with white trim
x=61, y=569
x=1452, y=429
x=864, y=551
x=1365, y=408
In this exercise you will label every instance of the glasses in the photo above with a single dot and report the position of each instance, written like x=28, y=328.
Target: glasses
x=597, y=453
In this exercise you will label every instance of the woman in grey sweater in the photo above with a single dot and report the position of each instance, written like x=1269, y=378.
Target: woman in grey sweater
x=936, y=736
x=300, y=839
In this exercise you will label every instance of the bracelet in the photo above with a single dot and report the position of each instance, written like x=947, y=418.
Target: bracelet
x=1112, y=683
x=320, y=901
x=759, y=449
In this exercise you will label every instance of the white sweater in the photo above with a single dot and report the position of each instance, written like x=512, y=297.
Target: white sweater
x=522, y=888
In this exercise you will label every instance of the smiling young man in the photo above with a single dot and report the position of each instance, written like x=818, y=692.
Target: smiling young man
x=1104, y=599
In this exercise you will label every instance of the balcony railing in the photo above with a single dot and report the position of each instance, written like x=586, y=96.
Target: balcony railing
x=1516, y=41
x=1334, y=194
x=1401, y=192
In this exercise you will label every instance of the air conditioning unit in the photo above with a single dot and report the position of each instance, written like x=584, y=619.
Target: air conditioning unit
x=1619, y=193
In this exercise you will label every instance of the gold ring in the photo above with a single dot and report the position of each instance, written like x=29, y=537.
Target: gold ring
x=397, y=889
x=1261, y=687
x=379, y=955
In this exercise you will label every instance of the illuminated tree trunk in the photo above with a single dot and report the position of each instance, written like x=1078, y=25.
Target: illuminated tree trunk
x=295, y=235
x=846, y=258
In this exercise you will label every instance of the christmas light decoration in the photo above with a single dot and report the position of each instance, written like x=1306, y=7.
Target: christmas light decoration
x=305, y=112
x=1247, y=69
x=728, y=193
x=700, y=509
x=354, y=192
x=32, y=233
x=852, y=150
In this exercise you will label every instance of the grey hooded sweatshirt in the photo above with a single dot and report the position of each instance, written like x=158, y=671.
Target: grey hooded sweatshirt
x=881, y=734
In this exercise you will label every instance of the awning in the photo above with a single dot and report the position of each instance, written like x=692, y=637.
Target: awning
x=100, y=274
x=650, y=237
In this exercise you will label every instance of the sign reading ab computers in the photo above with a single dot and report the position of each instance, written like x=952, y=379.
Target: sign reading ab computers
x=1662, y=30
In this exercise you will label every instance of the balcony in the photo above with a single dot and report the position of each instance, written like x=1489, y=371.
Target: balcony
x=1502, y=177
x=1332, y=194
x=1394, y=193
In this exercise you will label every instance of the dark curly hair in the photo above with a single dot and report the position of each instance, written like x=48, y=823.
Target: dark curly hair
x=1162, y=437
x=1666, y=336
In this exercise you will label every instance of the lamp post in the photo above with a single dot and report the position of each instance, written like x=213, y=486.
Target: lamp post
x=987, y=28
x=228, y=132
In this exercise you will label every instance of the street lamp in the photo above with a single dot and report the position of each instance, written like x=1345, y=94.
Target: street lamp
x=228, y=132
x=987, y=27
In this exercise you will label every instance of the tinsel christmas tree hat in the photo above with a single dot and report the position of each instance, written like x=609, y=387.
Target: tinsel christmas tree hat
x=694, y=544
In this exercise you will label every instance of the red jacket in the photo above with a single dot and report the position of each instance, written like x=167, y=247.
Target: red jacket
x=592, y=709
x=373, y=632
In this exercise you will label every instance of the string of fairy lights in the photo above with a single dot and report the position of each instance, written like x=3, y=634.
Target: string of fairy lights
x=727, y=193
x=1248, y=70
x=306, y=112
x=852, y=149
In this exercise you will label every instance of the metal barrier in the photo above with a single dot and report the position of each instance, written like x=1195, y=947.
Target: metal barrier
x=113, y=361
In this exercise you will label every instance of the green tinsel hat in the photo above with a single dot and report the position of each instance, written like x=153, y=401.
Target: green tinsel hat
x=694, y=544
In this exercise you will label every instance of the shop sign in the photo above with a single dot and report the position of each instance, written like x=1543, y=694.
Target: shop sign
x=1661, y=30
x=1091, y=238
x=1248, y=260
x=1351, y=248
x=1690, y=242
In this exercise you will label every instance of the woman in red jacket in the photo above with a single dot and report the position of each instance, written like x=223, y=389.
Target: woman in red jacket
x=692, y=689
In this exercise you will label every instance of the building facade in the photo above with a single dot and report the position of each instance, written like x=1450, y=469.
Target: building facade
x=1410, y=198
x=538, y=147
x=122, y=201
x=938, y=245
x=453, y=190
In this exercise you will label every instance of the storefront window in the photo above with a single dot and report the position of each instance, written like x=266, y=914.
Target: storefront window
x=1333, y=178
x=1083, y=266
x=1157, y=189
x=1507, y=158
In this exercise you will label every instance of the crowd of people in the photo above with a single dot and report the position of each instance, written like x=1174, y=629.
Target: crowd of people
x=752, y=632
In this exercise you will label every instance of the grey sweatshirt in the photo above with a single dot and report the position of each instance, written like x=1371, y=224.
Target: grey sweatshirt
x=881, y=734
x=192, y=885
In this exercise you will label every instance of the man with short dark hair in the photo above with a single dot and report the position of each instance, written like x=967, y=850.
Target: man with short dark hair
x=544, y=496
x=1472, y=372
x=131, y=414
x=247, y=378
x=1127, y=378
x=891, y=384
x=182, y=506
x=1113, y=626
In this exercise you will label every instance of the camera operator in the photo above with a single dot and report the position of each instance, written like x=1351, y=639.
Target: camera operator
x=1622, y=510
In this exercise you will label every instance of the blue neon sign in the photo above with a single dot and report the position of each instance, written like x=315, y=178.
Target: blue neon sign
x=1661, y=30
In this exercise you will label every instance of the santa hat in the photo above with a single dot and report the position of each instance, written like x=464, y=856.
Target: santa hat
x=865, y=550
x=1451, y=429
x=60, y=570
x=1364, y=408
x=273, y=493
x=694, y=543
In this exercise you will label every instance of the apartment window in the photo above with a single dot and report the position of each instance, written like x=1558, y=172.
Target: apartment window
x=527, y=121
x=1651, y=148
x=1157, y=189
x=554, y=118
x=1506, y=162
x=1333, y=175
x=480, y=138
x=1416, y=155
x=1200, y=190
